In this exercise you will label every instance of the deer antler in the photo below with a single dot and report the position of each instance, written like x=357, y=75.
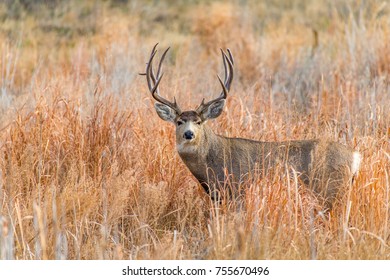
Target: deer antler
x=228, y=63
x=154, y=81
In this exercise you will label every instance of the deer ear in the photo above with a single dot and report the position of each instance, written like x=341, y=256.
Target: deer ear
x=165, y=112
x=213, y=110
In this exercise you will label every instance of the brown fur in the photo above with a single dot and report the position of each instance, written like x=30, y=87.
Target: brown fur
x=323, y=166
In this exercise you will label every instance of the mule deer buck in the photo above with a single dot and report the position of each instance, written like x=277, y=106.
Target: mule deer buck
x=323, y=166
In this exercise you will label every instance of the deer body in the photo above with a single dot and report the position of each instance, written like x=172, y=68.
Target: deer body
x=321, y=165
x=222, y=164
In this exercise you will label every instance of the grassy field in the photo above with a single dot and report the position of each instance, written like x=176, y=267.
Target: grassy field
x=89, y=171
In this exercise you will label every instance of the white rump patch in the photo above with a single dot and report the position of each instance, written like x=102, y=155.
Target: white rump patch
x=356, y=159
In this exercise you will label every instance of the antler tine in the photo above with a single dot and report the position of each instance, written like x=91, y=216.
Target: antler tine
x=224, y=90
x=230, y=56
x=149, y=72
x=150, y=58
x=153, y=53
x=161, y=61
x=224, y=64
x=154, y=81
x=228, y=63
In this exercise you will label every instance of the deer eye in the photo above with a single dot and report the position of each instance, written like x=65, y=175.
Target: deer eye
x=198, y=122
x=179, y=123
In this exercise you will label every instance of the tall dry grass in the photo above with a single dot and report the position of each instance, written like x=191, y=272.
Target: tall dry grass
x=88, y=171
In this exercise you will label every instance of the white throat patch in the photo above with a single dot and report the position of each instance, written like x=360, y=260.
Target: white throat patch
x=186, y=147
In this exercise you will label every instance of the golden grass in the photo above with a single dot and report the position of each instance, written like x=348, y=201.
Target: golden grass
x=88, y=170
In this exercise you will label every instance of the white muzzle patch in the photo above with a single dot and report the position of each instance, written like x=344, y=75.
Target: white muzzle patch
x=187, y=145
x=189, y=126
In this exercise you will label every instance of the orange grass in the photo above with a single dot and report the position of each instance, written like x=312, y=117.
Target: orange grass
x=88, y=170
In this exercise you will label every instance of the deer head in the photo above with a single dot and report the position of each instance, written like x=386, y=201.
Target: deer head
x=189, y=124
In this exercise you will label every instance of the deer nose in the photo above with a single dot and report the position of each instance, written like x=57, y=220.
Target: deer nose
x=189, y=135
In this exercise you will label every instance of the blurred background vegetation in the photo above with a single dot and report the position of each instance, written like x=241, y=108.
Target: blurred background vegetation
x=49, y=31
